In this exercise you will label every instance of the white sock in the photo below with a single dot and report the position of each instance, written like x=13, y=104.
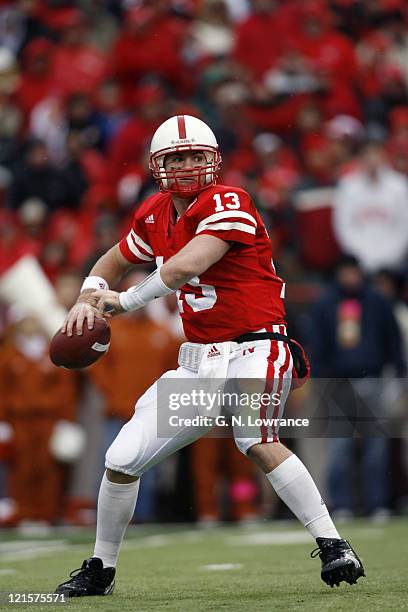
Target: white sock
x=116, y=505
x=295, y=486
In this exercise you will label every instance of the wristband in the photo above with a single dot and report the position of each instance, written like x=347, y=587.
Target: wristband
x=94, y=282
x=139, y=295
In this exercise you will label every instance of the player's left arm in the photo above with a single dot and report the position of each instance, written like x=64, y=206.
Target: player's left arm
x=193, y=259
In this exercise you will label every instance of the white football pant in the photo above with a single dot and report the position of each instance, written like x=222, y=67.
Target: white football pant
x=138, y=447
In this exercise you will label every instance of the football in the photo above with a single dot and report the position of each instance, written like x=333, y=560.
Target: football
x=76, y=352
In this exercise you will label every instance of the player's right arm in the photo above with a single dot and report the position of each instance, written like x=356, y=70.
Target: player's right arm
x=111, y=267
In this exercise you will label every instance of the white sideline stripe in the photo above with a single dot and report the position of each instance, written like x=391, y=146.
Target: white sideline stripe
x=154, y=541
x=135, y=250
x=277, y=538
x=221, y=567
x=227, y=215
x=268, y=538
x=7, y=571
x=30, y=549
x=140, y=242
x=23, y=544
x=242, y=227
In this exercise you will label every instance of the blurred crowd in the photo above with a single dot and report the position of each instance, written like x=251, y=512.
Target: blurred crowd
x=309, y=103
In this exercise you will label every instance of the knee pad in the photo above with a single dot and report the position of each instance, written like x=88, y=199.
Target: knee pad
x=127, y=452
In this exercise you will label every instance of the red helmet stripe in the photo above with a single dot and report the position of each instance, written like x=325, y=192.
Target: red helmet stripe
x=181, y=123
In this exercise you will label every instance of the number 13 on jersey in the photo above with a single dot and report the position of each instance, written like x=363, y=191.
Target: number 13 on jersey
x=226, y=200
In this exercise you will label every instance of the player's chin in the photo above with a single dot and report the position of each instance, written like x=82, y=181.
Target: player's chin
x=185, y=188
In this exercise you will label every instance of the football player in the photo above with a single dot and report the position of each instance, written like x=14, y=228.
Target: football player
x=211, y=246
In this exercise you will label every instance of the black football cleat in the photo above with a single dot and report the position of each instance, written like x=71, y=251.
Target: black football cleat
x=339, y=561
x=92, y=579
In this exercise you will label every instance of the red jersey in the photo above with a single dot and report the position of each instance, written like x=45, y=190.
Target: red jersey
x=241, y=292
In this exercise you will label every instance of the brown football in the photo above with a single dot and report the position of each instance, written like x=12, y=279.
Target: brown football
x=75, y=352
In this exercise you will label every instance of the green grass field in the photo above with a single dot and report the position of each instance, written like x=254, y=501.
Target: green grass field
x=179, y=568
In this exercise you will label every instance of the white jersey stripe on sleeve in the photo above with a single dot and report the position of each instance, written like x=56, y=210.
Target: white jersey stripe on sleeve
x=242, y=227
x=227, y=214
x=140, y=242
x=133, y=248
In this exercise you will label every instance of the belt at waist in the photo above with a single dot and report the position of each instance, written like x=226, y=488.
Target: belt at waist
x=250, y=337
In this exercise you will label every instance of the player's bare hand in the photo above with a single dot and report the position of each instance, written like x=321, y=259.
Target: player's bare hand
x=108, y=301
x=87, y=297
x=79, y=313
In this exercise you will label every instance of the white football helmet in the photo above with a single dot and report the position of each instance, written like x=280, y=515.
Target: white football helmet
x=184, y=133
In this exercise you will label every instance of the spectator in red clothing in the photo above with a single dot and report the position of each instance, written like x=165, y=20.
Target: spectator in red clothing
x=277, y=173
x=396, y=29
x=93, y=163
x=150, y=43
x=70, y=240
x=87, y=64
x=13, y=243
x=329, y=56
x=287, y=87
x=381, y=80
x=344, y=135
x=37, y=80
x=309, y=126
x=328, y=51
x=398, y=121
x=398, y=141
x=312, y=201
x=317, y=161
x=129, y=146
x=258, y=44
